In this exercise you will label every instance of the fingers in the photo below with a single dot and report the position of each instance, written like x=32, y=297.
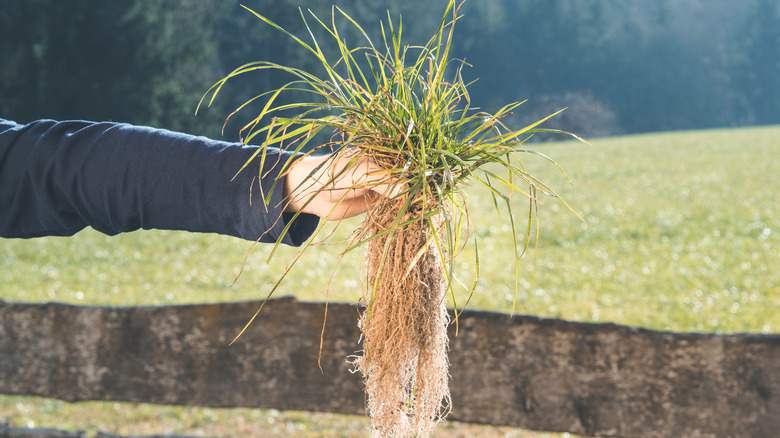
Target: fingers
x=370, y=175
x=348, y=208
x=337, y=186
x=346, y=177
x=326, y=207
x=390, y=189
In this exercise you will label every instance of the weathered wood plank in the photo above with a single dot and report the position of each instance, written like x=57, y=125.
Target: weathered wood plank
x=541, y=374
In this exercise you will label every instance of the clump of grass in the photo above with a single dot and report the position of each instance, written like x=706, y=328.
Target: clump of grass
x=406, y=108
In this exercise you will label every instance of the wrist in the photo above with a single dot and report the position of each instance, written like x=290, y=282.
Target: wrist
x=298, y=184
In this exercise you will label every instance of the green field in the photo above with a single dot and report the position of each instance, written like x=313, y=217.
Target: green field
x=681, y=232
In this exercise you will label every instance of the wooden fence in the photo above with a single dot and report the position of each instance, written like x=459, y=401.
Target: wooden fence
x=528, y=372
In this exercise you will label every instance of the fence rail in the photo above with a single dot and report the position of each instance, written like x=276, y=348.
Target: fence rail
x=534, y=373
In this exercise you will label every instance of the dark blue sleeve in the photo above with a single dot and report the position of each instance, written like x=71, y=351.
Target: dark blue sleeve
x=58, y=177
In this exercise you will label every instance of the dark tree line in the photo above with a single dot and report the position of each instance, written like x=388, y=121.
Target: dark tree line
x=140, y=62
x=620, y=67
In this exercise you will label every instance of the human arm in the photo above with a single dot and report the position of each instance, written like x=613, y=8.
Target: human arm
x=57, y=178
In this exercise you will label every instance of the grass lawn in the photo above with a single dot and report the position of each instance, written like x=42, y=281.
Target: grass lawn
x=681, y=232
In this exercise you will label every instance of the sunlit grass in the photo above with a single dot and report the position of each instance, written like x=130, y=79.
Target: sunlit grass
x=683, y=233
x=143, y=419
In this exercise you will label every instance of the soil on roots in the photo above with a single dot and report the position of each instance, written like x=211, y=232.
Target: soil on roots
x=404, y=361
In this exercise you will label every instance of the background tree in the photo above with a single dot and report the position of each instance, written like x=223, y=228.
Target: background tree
x=138, y=62
x=760, y=71
x=621, y=67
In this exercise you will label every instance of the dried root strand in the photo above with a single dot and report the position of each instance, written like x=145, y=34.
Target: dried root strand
x=404, y=362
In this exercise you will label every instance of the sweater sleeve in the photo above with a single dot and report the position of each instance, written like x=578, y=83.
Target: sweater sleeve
x=57, y=178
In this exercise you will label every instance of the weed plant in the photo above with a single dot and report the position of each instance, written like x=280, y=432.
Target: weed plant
x=406, y=108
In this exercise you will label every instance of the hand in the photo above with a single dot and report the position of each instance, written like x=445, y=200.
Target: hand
x=337, y=186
